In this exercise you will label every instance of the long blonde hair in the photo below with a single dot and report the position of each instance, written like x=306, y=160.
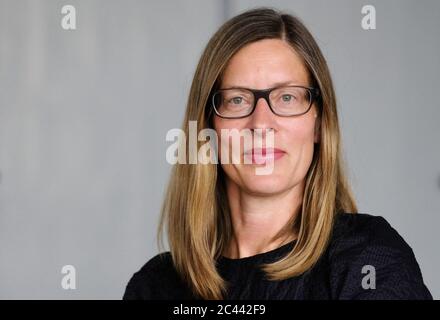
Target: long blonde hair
x=196, y=212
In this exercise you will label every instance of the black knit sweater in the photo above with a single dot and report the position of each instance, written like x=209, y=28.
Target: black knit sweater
x=361, y=244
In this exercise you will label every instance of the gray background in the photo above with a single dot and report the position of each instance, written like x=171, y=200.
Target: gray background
x=84, y=114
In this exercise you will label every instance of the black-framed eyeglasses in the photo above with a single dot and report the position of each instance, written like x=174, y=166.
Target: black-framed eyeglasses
x=285, y=101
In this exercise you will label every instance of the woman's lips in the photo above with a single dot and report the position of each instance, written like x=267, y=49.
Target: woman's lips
x=262, y=155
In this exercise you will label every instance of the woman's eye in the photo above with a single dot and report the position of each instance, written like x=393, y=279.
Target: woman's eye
x=236, y=100
x=287, y=97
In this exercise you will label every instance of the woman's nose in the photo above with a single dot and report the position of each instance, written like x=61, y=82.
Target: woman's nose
x=262, y=117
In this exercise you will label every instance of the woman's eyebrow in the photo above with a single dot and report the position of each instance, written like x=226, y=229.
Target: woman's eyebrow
x=276, y=84
x=285, y=83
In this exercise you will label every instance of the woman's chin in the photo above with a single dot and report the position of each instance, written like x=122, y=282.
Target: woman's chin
x=265, y=185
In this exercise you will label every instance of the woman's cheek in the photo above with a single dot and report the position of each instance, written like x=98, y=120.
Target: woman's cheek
x=300, y=140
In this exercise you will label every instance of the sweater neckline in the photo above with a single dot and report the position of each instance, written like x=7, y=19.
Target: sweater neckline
x=260, y=256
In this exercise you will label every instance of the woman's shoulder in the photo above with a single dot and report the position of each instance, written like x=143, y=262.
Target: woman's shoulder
x=354, y=232
x=369, y=259
x=157, y=279
x=352, y=228
x=158, y=263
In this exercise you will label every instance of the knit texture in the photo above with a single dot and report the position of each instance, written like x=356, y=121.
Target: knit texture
x=358, y=240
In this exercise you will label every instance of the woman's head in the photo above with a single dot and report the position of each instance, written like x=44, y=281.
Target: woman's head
x=259, y=49
x=269, y=64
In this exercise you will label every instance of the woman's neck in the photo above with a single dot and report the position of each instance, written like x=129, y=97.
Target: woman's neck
x=256, y=219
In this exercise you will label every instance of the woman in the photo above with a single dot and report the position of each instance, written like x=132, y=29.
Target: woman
x=289, y=234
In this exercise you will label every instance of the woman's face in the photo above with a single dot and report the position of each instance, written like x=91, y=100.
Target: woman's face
x=260, y=65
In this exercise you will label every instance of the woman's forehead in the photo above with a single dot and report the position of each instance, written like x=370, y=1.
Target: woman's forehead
x=264, y=64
